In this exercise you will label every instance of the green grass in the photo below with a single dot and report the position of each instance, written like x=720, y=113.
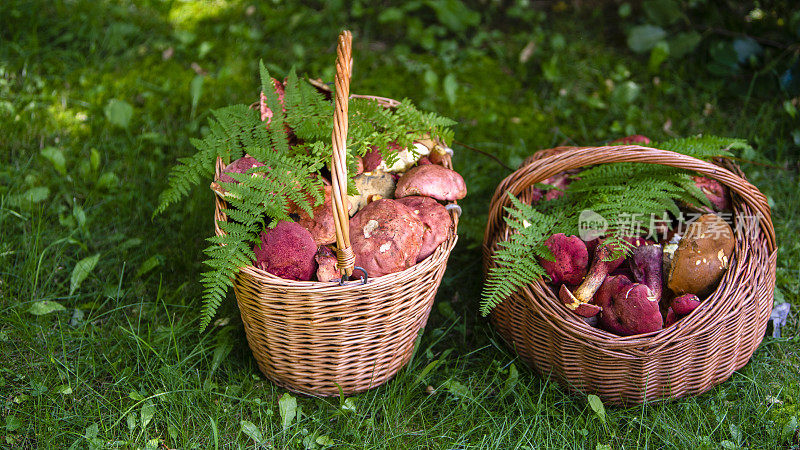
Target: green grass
x=123, y=364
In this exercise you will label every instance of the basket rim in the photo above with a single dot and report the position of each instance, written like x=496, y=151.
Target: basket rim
x=439, y=256
x=552, y=161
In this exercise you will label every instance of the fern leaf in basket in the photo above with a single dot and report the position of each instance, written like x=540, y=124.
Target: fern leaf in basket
x=292, y=168
x=623, y=194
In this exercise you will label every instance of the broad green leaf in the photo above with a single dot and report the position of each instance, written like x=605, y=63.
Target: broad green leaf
x=454, y=14
x=597, y=406
x=196, y=90
x=252, y=431
x=131, y=420
x=724, y=58
x=43, y=307
x=107, y=180
x=63, y=389
x=662, y=12
x=789, y=429
x=626, y=93
x=642, y=38
x=56, y=157
x=91, y=431
x=747, y=49
x=513, y=378
x=450, y=86
x=390, y=15
x=94, y=159
x=456, y=388
x=33, y=195
x=13, y=423
x=658, y=55
x=684, y=43
x=133, y=395
x=82, y=270
x=151, y=263
x=119, y=112
x=325, y=441
x=288, y=408
x=349, y=405
x=146, y=413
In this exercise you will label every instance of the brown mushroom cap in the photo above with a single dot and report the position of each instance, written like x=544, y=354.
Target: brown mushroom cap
x=371, y=186
x=287, y=251
x=436, y=222
x=702, y=257
x=386, y=237
x=241, y=165
x=326, y=264
x=432, y=180
x=321, y=226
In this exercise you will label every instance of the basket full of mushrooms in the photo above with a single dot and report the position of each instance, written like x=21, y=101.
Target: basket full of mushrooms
x=312, y=328
x=672, y=317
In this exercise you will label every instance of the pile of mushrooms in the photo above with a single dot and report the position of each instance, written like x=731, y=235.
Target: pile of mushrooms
x=657, y=284
x=652, y=288
x=397, y=218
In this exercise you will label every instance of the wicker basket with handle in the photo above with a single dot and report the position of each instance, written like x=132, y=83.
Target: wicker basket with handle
x=686, y=358
x=323, y=338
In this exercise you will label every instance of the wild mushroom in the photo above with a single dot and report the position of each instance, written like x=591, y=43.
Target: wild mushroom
x=436, y=222
x=321, y=225
x=241, y=165
x=386, y=237
x=578, y=300
x=628, y=308
x=716, y=193
x=371, y=186
x=570, y=262
x=645, y=265
x=702, y=257
x=326, y=264
x=432, y=180
x=685, y=304
x=287, y=251
x=559, y=181
x=266, y=113
x=633, y=139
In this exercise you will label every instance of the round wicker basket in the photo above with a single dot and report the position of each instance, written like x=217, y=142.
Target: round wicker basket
x=686, y=358
x=327, y=338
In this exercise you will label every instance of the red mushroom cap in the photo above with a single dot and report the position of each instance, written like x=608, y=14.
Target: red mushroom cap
x=241, y=165
x=436, y=222
x=321, y=226
x=266, y=113
x=386, y=237
x=633, y=139
x=287, y=251
x=571, y=259
x=628, y=308
x=685, y=304
x=432, y=180
x=715, y=192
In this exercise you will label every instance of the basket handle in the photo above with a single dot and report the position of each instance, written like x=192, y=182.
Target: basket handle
x=345, y=259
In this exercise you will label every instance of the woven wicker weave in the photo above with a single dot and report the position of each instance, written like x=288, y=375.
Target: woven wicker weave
x=323, y=338
x=687, y=358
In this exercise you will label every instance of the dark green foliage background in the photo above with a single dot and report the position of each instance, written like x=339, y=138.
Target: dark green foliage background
x=99, y=99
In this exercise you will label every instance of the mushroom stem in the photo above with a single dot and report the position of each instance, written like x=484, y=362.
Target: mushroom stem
x=598, y=271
